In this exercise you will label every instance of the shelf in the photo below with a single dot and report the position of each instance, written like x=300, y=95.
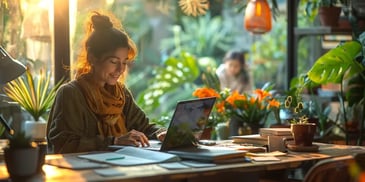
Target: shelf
x=322, y=31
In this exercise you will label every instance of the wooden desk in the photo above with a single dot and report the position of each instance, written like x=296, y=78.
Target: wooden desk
x=249, y=171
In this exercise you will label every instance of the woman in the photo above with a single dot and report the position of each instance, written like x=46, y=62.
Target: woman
x=232, y=73
x=97, y=109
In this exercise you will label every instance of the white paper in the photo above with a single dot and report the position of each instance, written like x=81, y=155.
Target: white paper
x=265, y=159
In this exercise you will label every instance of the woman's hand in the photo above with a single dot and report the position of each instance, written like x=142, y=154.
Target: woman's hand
x=134, y=138
x=161, y=136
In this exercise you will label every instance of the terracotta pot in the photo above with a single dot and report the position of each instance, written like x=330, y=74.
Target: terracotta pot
x=329, y=16
x=303, y=134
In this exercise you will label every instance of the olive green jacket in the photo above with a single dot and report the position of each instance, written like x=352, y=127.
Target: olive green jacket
x=72, y=126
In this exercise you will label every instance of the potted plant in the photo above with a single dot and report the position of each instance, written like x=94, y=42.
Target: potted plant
x=344, y=62
x=35, y=94
x=328, y=10
x=253, y=108
x=302, y=130
x=21, y=156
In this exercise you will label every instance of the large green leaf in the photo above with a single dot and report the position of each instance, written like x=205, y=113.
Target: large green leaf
x=337, y=64
x=176, y=72
x=356, y=89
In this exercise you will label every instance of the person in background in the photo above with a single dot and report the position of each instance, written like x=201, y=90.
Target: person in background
x=96, y=109
x=233, y=74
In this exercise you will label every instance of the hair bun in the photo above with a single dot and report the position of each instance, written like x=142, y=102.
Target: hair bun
x=101, y=22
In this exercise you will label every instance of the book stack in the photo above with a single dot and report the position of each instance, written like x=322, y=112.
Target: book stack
x=261, y=139
x=255, y=140
x=265, y=132
x=277, y=138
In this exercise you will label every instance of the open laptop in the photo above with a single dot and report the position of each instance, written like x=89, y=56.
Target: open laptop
x=187, y=124
x=185, y=128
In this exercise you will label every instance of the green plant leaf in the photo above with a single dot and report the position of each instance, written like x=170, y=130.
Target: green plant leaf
x=337, y=64
x=175, y=72
x=356, y=89
x=33, y=93
x=21, y=140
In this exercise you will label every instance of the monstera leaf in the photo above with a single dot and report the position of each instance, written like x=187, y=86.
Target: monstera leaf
x=175, y=72
x=356, y=89
x=337, y=64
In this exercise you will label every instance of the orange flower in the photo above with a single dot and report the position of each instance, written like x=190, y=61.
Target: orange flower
x=261, y=94
x=220, y=106
x=205, y=92
x=235, y=97
x=250, y=107
x=273, y=103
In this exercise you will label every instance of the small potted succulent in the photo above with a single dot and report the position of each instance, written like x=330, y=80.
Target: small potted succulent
x=21, y=156
x=302, y=130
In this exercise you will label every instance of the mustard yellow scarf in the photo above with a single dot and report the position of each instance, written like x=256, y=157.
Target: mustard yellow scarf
x=107, y=103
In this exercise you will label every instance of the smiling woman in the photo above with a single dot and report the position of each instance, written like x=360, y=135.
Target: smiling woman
x=97, y=109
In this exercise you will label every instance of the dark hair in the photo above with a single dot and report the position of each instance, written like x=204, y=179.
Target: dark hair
x=240, y=56
x=103, y=35
x=235, y=55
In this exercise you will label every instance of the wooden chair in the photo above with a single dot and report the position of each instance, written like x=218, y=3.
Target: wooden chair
x=330, y=170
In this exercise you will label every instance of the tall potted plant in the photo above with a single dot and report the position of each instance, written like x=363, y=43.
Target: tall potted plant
x=339, y=64
x=34, y=94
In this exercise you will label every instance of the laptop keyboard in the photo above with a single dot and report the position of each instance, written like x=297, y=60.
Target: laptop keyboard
x=154, y=145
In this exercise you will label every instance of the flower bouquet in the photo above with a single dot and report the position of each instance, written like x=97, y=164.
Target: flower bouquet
x=253, y=108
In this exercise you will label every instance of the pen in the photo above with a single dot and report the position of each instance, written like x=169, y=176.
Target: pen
x=115, y=158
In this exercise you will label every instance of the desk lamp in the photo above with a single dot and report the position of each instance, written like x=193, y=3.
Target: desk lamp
x=9, y=70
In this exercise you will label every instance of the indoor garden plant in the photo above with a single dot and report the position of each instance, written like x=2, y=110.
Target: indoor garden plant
x=253, y=108
x=344, y=63
x=328, y=10
x=35, y=94
x=303, y=131
x=21, y=156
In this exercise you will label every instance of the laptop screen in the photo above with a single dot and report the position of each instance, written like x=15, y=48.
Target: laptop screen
x=187, y=123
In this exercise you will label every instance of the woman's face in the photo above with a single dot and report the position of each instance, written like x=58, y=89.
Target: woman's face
x=233, y=67
x=110, y=67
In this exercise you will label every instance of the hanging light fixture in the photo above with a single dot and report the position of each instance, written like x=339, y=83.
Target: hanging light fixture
x=258, y=17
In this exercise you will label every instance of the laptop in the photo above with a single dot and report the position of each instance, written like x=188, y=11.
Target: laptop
x=185, y=129
x=187, y=124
